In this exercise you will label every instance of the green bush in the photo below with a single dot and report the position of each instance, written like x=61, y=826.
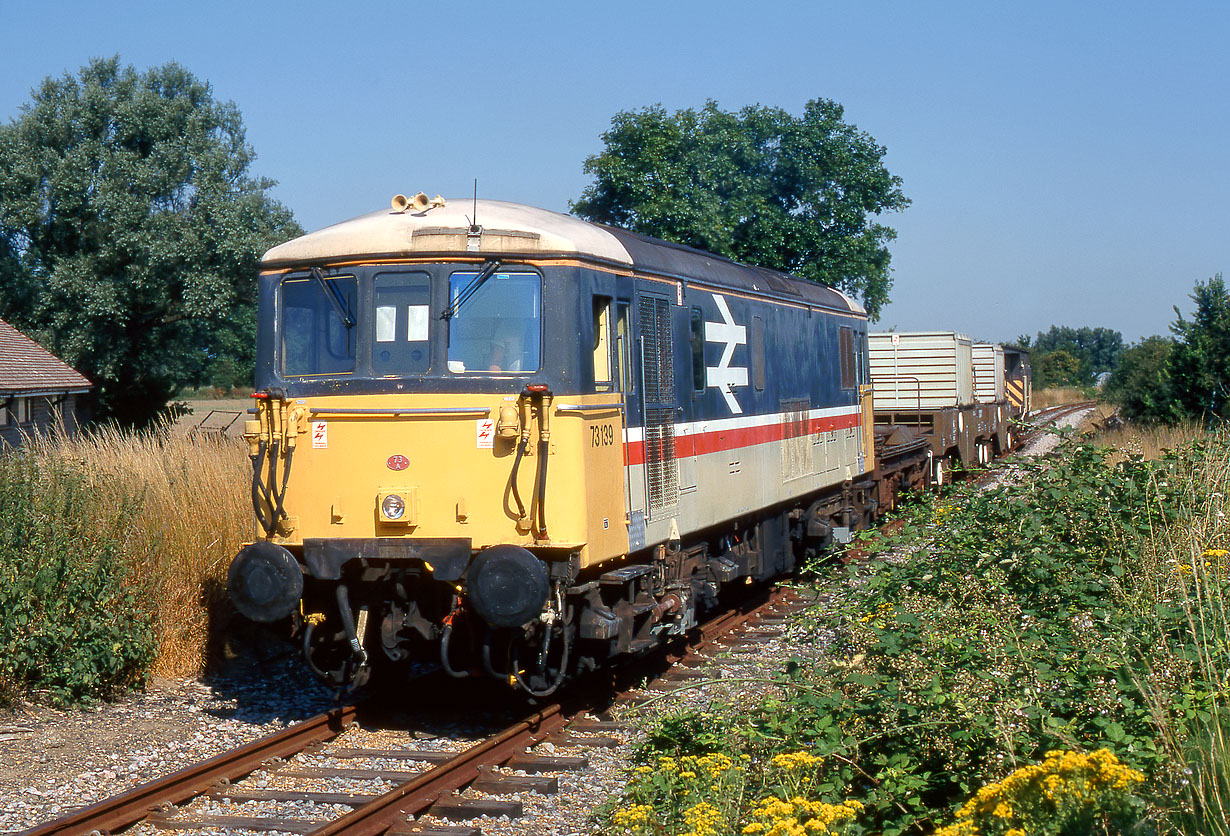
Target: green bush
x=72, y=627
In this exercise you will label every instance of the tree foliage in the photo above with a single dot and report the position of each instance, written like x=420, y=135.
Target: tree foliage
x=1059, y=367
x=759, y=186
x=131, y=228
x=1095, y=350
x=1187, y=376
x=1141, y=384
x=1200, y=365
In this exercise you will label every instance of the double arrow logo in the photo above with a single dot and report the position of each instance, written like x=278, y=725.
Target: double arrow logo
x=725, y=376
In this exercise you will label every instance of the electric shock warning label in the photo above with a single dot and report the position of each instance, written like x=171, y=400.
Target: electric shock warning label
x=485, y=433
x=320, y=435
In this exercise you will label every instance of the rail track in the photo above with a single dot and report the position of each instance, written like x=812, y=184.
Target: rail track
x=1046, y=418
x=416, y=782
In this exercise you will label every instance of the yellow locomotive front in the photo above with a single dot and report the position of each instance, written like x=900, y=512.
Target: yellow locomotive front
x=432, y=463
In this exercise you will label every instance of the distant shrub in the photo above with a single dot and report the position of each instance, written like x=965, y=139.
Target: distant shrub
x=73, y=625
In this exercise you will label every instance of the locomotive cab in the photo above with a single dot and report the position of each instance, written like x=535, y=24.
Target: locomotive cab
x=407, y=422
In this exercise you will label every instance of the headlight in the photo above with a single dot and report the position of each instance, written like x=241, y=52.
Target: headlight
x=393, y=507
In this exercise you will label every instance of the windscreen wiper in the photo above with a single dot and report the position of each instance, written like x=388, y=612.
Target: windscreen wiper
x=487, y=272
x=334, y=296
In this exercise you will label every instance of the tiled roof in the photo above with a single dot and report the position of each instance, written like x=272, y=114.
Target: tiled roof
x=25, y=366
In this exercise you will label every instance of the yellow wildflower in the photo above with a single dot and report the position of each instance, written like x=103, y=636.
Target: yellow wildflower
x=704, y=819
x=1066, y=781
x=632, y=817
x=790, y=761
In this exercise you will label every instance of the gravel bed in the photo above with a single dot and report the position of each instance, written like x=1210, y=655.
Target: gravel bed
x=737, y=676
x=53, y=761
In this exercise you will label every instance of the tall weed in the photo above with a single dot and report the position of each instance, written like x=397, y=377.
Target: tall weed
x=1057, y=395
x=1004, y=628
x=1191, y=565
x=74, y=624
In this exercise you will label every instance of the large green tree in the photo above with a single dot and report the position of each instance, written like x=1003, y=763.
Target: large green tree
x=1141, y=382
x=760, y=186
x=1200, y=362
x=131, y=228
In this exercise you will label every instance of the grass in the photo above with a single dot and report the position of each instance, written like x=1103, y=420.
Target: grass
x=1057, y=396
x=1190, y=571
x=1149, y=441
x=185, y=497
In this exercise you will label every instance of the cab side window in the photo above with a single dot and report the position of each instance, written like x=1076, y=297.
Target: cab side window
x=697, y=339
x=602, y=344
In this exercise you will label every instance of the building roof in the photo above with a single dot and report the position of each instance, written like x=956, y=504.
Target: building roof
x=28, y=368
x=526, y=231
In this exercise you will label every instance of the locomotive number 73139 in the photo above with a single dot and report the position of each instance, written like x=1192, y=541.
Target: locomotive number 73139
x=602, y=435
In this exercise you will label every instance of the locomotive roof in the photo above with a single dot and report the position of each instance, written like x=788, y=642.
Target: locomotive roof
x=515, y=229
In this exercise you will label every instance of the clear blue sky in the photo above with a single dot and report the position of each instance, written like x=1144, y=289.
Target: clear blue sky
x=1069, y=163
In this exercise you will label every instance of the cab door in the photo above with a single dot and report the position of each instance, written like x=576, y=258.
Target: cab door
x=626, y=374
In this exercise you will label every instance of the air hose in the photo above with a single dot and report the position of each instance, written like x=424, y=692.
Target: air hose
x=260, y=494
x=516, y=494
x=266, y=492
x=542, y=490
x=343, y=604
x=544, y=449
x=488, y=665
x=563, y=663
x=446, y=638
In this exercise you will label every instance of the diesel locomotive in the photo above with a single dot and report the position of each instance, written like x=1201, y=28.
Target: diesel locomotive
x=519, y=444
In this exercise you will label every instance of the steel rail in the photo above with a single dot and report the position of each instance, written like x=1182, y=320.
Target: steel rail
x=128, y=808
x=1047, y=417
x=417, y=795
x=388, y=812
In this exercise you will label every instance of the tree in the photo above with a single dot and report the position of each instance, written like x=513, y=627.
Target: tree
x=130, y=230
x=759, y=186
x=1056, y=368
x=1200, y=364
x=1097, y=349
x=1141, y=382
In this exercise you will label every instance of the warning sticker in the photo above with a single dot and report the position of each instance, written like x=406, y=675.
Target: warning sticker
x=320, y=435
x=486, y=433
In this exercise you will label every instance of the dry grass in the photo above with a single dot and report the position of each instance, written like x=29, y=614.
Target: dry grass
x=1149, y=441
x=1043, y=398
x=1189, y=566
x=188, y=495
